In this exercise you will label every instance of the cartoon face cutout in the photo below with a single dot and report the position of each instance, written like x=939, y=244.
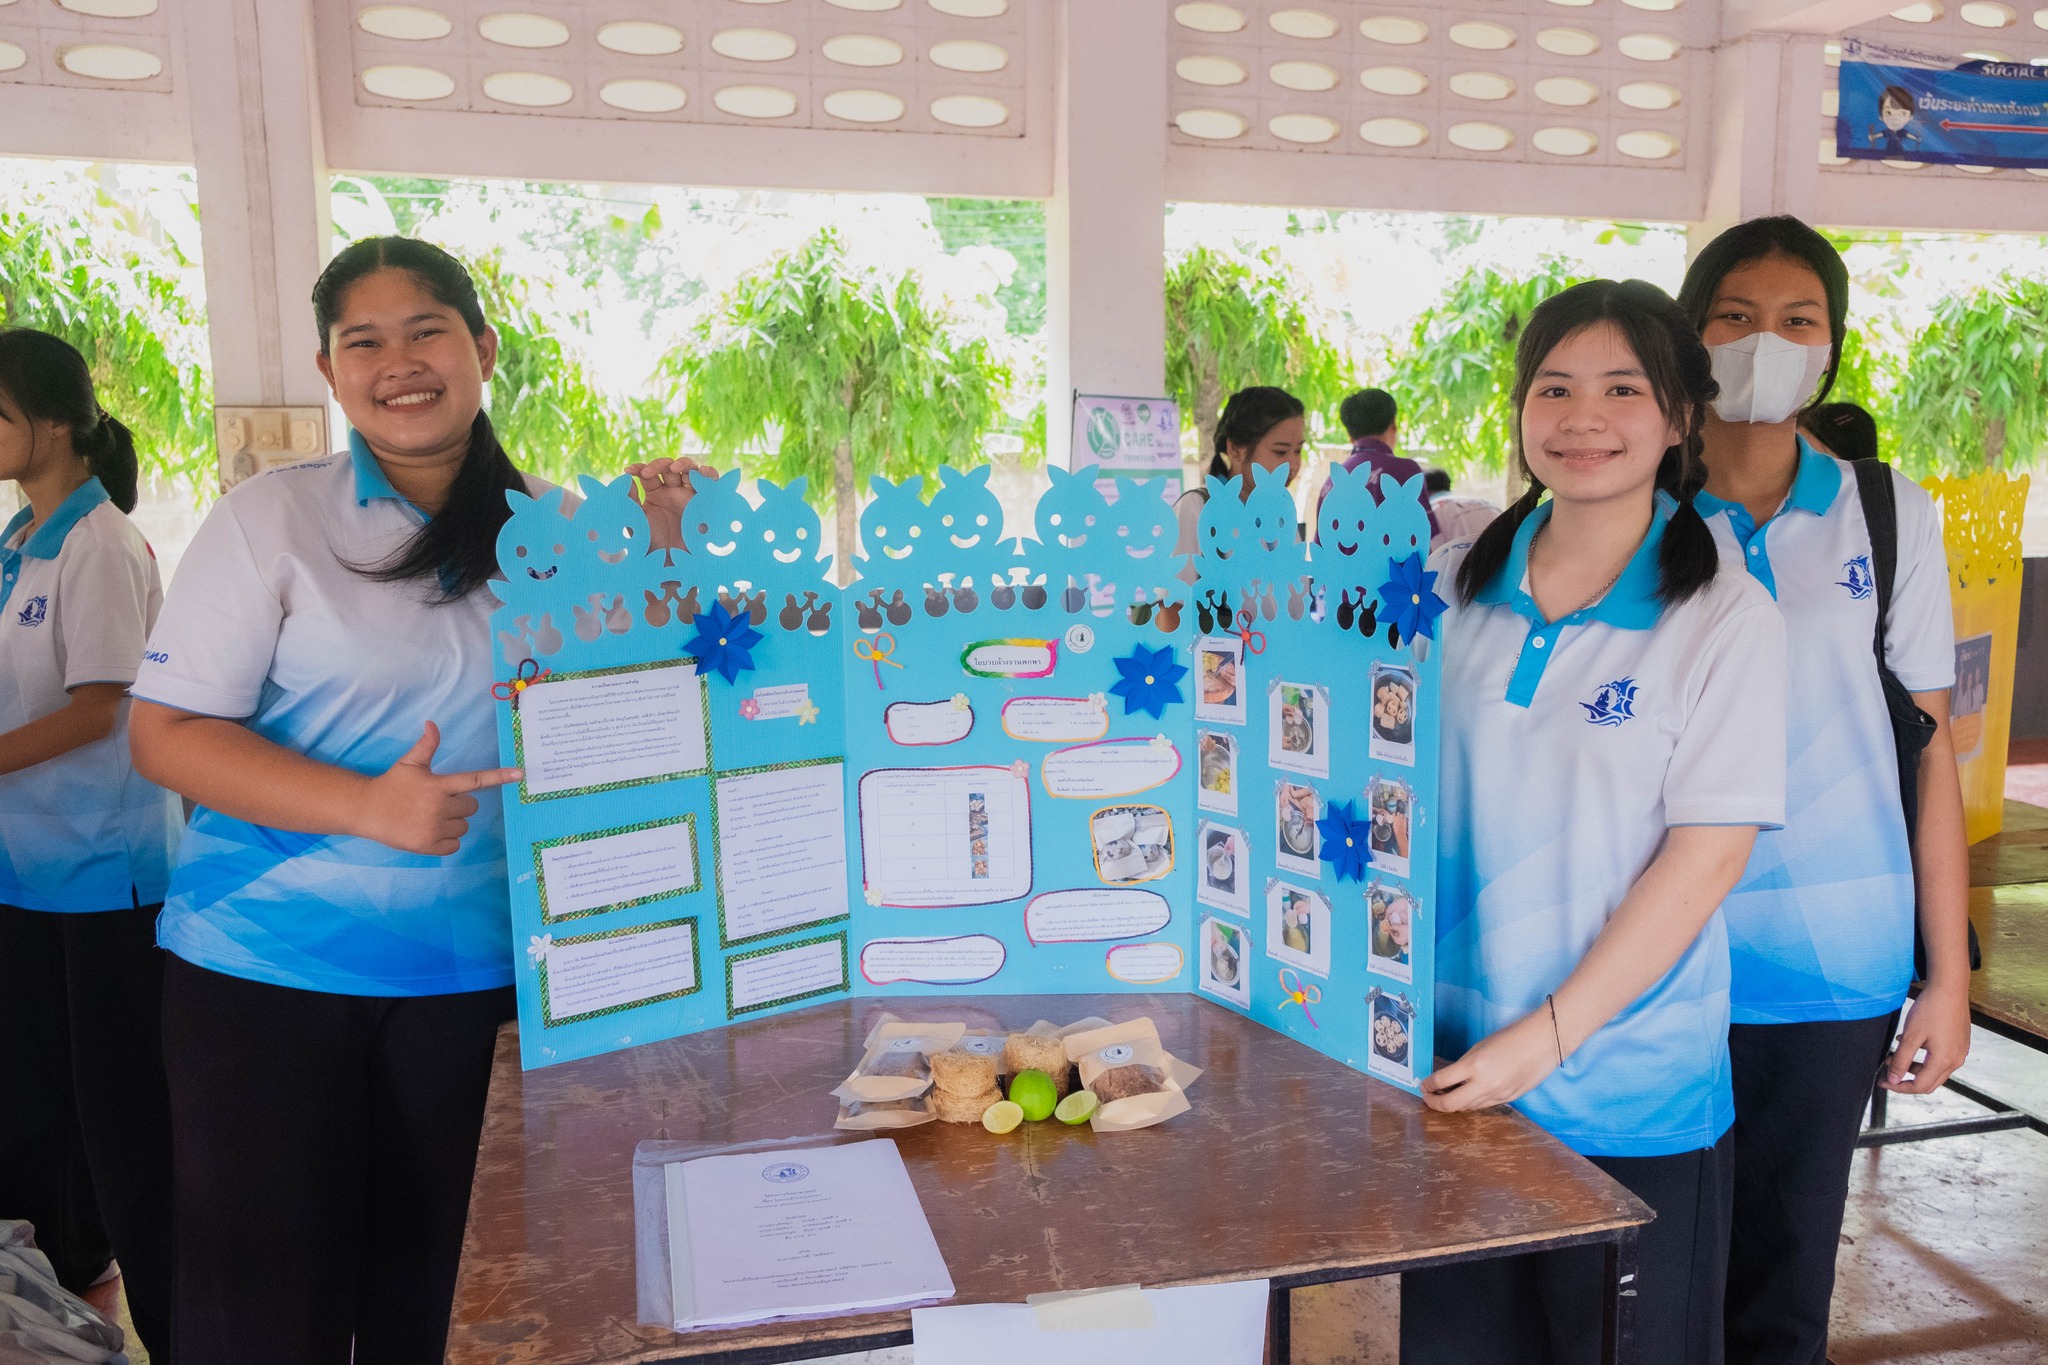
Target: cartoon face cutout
x=534, y=543
x=1270, y=511
x=715, y=522
x=787, y=523
x=1893, y=113
x=893, y=523
x=1071, y=510
x=1403, y=524
x=1145, y=523
x=966, y=514
x=608, y=523
x=1349, y=516
x=1220, y=533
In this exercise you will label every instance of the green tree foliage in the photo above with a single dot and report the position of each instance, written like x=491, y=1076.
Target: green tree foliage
x=844, y=372
x=1455, y=380
x=80, y=263
x=1974, y=387
x=1234, y=319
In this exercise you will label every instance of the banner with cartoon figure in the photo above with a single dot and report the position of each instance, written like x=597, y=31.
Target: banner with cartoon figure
x=1015, y=760
x=1902, y=105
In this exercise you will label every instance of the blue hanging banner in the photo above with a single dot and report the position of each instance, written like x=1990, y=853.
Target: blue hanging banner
x=1911, y=106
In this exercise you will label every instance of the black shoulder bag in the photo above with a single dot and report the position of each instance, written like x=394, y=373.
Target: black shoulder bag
x=1912, y=728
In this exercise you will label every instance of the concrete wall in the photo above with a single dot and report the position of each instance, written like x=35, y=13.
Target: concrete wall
x=2030, y=673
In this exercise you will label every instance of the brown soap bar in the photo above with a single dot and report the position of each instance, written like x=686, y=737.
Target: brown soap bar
x=961, y=1072
x=948, y=1107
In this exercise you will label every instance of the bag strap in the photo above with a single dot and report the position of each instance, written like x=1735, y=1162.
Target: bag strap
x=1881, y=516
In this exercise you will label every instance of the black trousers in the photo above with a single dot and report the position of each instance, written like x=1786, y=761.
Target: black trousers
x=325, y=1145
x=1800, y=1091
x=1545, y=1308
x=85, y=1126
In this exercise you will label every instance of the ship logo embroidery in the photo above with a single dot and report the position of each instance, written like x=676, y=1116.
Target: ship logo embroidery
x=1856, y=578
x=1613, y=704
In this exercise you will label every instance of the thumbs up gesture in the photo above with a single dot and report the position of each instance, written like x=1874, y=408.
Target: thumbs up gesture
x=414, y=809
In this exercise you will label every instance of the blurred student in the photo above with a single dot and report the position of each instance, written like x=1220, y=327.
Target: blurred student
x=1458, y=516
x=1261, y=428
x=1372, y=420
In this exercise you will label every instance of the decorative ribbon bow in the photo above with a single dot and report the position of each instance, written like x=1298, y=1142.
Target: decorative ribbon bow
x=1294, y=993
x=876, y=652
x=530, y=672
x=1254, y=641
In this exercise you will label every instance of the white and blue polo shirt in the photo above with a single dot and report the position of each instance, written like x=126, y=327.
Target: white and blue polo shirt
x=1569, y=748
x=267, y=624
x=83, y=831
x=1821, y=925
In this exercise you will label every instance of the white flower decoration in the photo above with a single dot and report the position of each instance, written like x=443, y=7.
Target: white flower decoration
x=1160, y=741
x=539, y=946
x=1098, y=700
x=960, y=702
x=874, y=894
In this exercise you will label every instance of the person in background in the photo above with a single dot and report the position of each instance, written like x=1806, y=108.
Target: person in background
x=1261, y=428
x=1840, y=428
x=85, y=846
x=1458, y=516
x=1372, y=420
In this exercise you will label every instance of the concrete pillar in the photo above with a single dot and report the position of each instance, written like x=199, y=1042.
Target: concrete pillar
x=1105, y=265
x=1766, y=131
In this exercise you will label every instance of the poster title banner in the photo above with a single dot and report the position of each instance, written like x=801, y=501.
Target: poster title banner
x=1902, y=105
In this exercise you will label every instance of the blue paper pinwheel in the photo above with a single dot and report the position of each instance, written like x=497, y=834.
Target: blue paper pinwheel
x=1150, y=680
x=724, y=643
x=1345, y=841
x=1409, y=597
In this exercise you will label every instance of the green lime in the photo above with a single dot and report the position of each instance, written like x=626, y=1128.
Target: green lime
x=1033, y=1092
x=1078, y=1107
x=1002, y=1117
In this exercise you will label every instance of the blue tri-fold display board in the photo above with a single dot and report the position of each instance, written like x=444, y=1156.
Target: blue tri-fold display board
x=1054, y=759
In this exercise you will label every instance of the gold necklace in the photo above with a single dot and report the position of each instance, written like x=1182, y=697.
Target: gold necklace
x=1605, y=588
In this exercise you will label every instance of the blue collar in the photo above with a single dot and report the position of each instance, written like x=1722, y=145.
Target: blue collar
x=370, y=479
x=49, y=537
x=1631, y=604
x=1814, y=486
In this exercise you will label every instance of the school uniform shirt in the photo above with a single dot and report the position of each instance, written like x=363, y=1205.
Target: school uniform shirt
x=83, y=831
x=1821, y=924
x=1569, y=748
x=269, y=625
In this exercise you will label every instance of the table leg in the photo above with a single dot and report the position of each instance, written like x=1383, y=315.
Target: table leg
x=1878, y=1097
x=1618, y=1320
x=1279, y=1328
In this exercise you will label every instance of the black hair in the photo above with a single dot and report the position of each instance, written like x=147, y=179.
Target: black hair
x=1368, y=413
x=1746, y=243
x=49, y=380
x=1897, y=95
x=457, y=549
x=1843, y=428
x=1436, y=480
x=1247, y=417
x=1680, y=375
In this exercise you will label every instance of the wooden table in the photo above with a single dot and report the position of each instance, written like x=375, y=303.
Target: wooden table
x=1290, y=1168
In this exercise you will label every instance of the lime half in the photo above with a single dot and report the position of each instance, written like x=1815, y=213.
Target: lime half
x=1002, y=1117
x=1078, y=1107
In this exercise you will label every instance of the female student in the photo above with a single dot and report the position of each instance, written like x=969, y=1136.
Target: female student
x=1821, y=925
x=85, y=845
x=319, y=684
x=1261, y=428
x=1612, y=711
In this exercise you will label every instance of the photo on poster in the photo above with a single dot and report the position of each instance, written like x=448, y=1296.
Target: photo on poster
x=1393, y=1028
x=1393, y=714
x=1298, y=728
x=1224, y=879
x=1132, y=843
x=1392, y=803
x=944, y=837
x=1216, y=771
x=1225, y=972
x=1297, y=926
x=1219, y=679
x=1393, y=912
x=1297, y=843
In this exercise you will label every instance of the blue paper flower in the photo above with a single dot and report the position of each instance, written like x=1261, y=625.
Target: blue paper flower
x=1346, y=841
x=1409, y=597
x=1148, y=681
x=723, y=643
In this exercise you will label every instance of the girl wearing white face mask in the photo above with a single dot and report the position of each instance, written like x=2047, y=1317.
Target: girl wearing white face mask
x=1821, y=927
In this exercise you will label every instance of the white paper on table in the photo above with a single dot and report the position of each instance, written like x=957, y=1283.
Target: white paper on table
x=795, y=1233
x=1217, y=1324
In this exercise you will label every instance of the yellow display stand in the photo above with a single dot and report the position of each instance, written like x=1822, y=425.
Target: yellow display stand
x=1981, y=516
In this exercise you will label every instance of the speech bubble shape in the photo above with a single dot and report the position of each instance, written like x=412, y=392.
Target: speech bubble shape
x=1146, y=964
x=1054, y=720
x=920, y=724
x=1114, y=767
x=1010, y=658
x=960, y=960
x=1095, y=915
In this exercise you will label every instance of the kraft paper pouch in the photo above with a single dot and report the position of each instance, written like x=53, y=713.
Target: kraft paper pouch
x=884, y=1114
x=896, y=1065
x=1138, y=1082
